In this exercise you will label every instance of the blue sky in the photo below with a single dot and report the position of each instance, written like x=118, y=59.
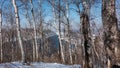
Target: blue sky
x=74, y=18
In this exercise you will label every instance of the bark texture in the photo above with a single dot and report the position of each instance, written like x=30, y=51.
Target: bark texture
x=110, y=31
x=35, y=33
x=59, y=34
x=86, y=33
x=86, y=39
x=18, y=30
x=68, y=31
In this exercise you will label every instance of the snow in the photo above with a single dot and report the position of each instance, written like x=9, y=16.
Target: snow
x=37, y=65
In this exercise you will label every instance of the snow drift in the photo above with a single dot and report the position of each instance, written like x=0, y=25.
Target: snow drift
x=37, y=65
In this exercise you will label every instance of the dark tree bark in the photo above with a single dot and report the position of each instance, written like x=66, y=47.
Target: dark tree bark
x=86, y=35
x=110, y=30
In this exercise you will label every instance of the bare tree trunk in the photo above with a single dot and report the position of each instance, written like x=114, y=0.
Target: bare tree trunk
x=68, y=30
x=12, y=51
x=110, y=30
x=87, y=44
x=18, y=30
x=1, y=54
x=1, y=50
x=33, y=50
x=86, y=34
x=41, y=30
x=42, y=40
x=33, y=45
x=82, y=38
x=59, y=31
x=35, y=33
x=61, y=47
x=59, y=35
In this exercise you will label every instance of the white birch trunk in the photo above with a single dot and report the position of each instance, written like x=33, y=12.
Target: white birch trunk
x=59, y=32
x=18, y=30
x=41, y=30
x=35, y=33
x=33, y=47
x=33, y=51
x=68, y=31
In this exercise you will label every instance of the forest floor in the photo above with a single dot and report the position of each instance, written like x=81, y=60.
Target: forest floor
x=37, y=65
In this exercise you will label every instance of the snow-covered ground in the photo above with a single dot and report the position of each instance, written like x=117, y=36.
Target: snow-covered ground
x=37, y=65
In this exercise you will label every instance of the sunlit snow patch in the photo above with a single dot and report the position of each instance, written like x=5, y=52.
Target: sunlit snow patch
x=37, y=65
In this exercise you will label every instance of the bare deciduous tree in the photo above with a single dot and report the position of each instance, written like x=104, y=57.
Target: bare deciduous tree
x=68, y=30
x=35, y=33
x=18, y=30
x=110, y=31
